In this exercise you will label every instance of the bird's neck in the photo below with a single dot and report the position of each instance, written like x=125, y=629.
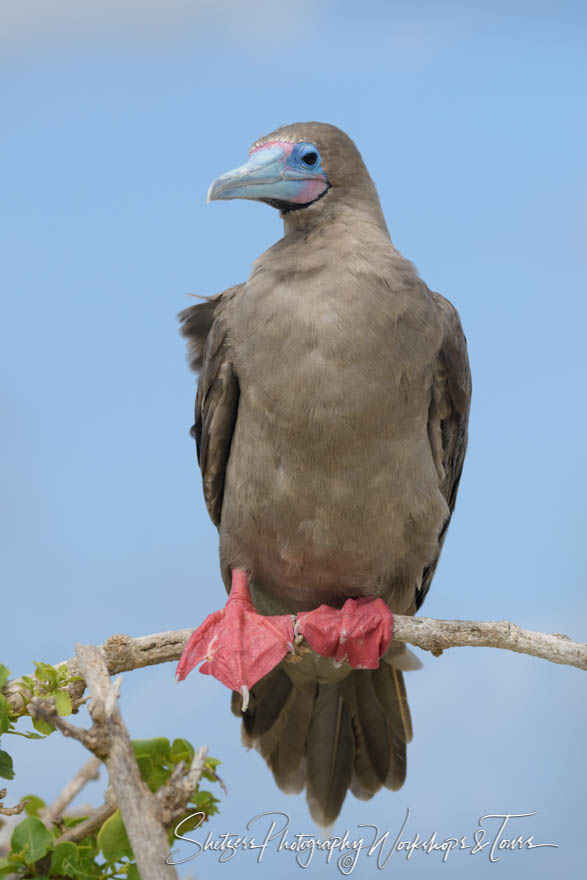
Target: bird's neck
x=337, y=215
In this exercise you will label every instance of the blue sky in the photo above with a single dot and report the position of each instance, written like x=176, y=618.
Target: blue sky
x=470, y=117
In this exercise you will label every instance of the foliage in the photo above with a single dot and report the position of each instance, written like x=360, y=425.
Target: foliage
x=48, y=681
x=105, y=854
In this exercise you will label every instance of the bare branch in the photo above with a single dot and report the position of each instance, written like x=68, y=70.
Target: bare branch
x=123, y=653
x=44, y=708
x=172, y=797
x=137, y=804
x=94, y=821
x=436, y=635
x=87, y=773
x=11, y=811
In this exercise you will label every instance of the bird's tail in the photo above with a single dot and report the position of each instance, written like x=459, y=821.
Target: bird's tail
x=330, y=737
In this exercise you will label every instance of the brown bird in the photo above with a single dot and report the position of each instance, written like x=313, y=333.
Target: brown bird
x=331, y=426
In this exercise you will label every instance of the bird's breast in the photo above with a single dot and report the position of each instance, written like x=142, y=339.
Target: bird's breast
x=330, y=456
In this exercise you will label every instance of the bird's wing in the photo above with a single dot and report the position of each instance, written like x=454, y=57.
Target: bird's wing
x=218, y=392
x=447, y=419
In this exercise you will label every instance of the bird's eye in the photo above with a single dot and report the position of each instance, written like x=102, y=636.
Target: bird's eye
x=310, y=158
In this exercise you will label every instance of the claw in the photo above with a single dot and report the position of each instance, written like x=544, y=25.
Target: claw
x=360, y=632
x=239, y=645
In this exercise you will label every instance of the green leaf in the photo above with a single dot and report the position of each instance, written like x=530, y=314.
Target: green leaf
x=45, y=673
x=6, y=867
x=157, y=749
x=34, y=804
x=133, y=873
x=32, y=839
x=43, y=726
x=28, y=682
x=145, y=768
x=72, y=821
x=87, y=853
x=192, y=819
x=6, y=768
x=4, y=673
x=153, y=774
x=63, y=703
x=71, y=860
x=209, y=771
x=113, y=839
x=28, y=734
x=182, y=750
x=5, y=723
x=65, y=860
x=206, y=802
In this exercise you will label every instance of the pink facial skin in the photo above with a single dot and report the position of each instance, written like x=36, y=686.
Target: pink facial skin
x=313, y=186
x=285, y=146
x=311, y=191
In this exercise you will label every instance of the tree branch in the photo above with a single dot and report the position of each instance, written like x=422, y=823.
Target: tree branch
x=172, y=797
x=123, y=653
x=137, y=804
x=87, y=773
x=11, y=811
x=437, y=635
x=94, y=821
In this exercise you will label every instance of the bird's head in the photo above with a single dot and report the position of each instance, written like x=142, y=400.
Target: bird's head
x=297, y=167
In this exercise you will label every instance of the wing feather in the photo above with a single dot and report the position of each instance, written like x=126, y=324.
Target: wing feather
x=447, y=420
x=218, y=392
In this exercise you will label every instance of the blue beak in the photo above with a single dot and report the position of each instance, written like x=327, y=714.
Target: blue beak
x=269, y=176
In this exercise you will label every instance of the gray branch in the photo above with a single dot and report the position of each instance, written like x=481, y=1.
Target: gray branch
x=172, y=798
x=16, y=810
x=437, y=635
x=123, y=653
x=87, y=773
x=137, y=804
x=94, y=821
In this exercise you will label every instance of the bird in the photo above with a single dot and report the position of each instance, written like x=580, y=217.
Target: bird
x=331, y=428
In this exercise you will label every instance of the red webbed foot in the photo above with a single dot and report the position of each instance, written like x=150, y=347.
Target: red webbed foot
x=239, y=645
x=360, y=632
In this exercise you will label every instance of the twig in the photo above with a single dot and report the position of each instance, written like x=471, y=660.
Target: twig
x=123, y=653
x=16, y=810
x=172, y=797
x=93, y=739
x=87, y=773
x=94, y=821
x=436, y=635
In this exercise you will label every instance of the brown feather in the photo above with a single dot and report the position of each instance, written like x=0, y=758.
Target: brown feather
x=292, y=745
x=331, y=426
x=330, y=753
x=258, y=720
x=365, y=782
x=373, y=722
x=389, y=686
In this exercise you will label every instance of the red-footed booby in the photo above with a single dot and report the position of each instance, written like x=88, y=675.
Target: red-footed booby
x=331, y=427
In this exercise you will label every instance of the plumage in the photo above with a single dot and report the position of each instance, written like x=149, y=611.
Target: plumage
x=330, y=753
x=331, y=428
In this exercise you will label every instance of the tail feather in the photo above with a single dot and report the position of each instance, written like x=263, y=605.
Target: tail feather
x=391, y=693
x=349, y=733
x=365, y=782
x=271, y=694
x=373, y=722
x=329, y=755
x=291, y=748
